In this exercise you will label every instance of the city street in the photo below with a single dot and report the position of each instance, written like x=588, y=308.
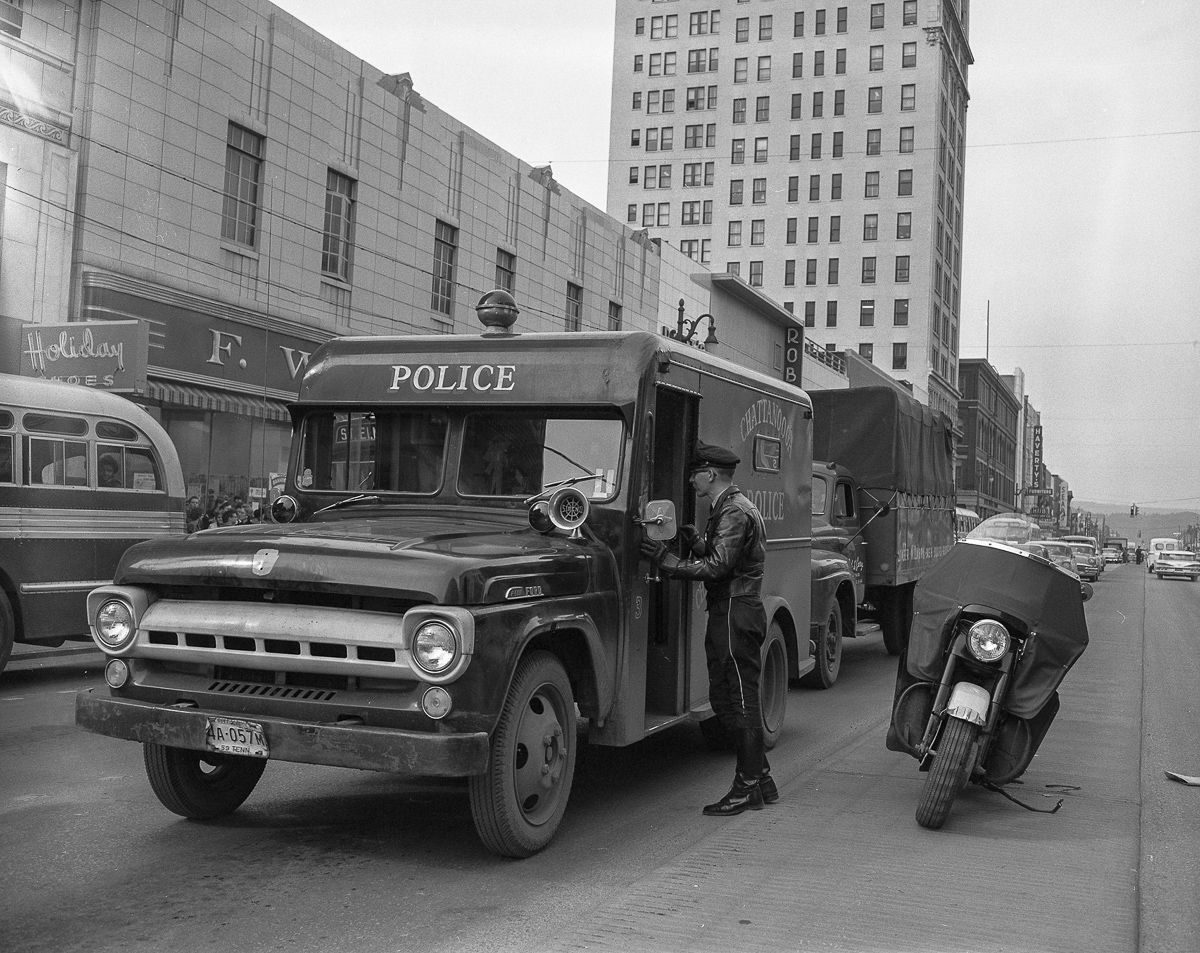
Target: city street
x=332, y=860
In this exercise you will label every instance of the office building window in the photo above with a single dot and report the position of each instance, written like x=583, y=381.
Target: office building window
x=899, y=356
x=839, y=63
x=759, y=196
x=762, y=109
x=736, y=191
x=814, y=225
x=765, y=27
x=573, y=316
x=797, y=65
x=791, y=231
x=876, y=16
x=875, y=99
x=797, y=106
x=834, y=265
x=901, y=268
x=243, y=181
x=910, y=12
x=874, y=141
x=819, y=63
x=838, y=144
x=741, y=69
x=614, y=316
x=835, y=228
x=866, y=313
x=908, y=55
x=793, y=188
x=900, y=313
x=814, y=188
x=835, y=186
x=904, y=224
x=739, y=111
x=871, y=186
x=818, y=104
x=337, y=239
x=737, y=154
x=756, y=274
x=866, y=351
x=810, y=314
x=764, y=69
x=904, y=182
x=868, y=270
x=506, y=268
x=906, y=139
x=831, y=314
x=798, y=23
x=841, y=19
x=758, y=231
x=631, y=212
x=908, y=97
x=819, y=24
x=875, y=59
x=815, y=149
x=445, y=250
x=810, y=271
x=839, y=102
x=760, y=149
x=789, y=272
x=734, y=239
x=741, y=30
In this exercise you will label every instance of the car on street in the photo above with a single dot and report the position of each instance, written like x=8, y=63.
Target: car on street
x=1177, y=562
x=1112, y=554
x=1061, y=554
x=1089, y=563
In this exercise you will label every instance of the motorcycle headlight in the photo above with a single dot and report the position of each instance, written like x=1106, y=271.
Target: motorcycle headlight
x=988, y=640
x=114, y=623
x=435, y=646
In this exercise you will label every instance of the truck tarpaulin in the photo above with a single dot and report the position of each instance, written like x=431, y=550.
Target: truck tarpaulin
x=887, y=438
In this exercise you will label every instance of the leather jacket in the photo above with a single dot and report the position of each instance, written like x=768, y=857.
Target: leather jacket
x=734, y=550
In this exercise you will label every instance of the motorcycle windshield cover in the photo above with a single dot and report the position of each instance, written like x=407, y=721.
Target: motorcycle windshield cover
x=1001, y=577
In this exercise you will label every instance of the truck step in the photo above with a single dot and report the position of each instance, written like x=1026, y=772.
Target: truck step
x=863, y=629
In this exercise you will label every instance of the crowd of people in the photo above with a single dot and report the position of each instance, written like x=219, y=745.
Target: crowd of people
x=220, y=511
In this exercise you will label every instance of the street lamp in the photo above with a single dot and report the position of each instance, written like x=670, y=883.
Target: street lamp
x=679, y=334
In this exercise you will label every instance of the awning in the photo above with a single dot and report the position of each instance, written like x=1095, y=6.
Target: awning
x=218, y=401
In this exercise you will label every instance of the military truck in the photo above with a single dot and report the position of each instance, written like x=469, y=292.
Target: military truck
x=453, y=586
x=883, y=513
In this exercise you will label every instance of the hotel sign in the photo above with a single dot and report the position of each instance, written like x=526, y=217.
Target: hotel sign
x=107, y=355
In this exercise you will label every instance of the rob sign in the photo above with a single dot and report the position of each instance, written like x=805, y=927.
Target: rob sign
x=793, y=354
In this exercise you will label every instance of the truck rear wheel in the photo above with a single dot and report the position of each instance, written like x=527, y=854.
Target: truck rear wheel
x=518, y=802
x=828, y=651
x=773, y=684
x=200, y=785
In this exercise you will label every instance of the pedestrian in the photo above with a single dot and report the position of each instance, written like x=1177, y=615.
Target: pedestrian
x=193, y=513
x=729, y=561
x=109, y=471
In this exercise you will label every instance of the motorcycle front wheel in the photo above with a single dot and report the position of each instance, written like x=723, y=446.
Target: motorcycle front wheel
x=948, y=774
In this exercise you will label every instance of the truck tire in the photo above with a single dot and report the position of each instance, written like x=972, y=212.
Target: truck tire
x=8, y=630
x=518, y=803
x=200, y=785
x=773, y=684
x=895, y=619
x=948, y=774
x=828, y=651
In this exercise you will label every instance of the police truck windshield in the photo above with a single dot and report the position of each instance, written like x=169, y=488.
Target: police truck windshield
x=504, y=454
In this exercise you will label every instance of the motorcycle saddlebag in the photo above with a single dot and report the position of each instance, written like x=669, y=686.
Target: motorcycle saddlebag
x=1016, y=742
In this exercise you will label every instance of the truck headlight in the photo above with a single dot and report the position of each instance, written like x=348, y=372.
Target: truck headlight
x=988, y=640
x=114, y=623
x=435, y=646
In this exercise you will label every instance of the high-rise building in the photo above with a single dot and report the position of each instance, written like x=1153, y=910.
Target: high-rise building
x=817, y=151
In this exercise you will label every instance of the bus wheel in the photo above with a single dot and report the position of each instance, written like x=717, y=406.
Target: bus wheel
x=773, y=684
x=200, y=785
x=8, y=630
x=518, y=802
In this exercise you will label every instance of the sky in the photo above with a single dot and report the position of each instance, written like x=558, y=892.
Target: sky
x=1081, y=250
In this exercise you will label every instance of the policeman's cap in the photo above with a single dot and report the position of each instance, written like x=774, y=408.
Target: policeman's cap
x=710, y=455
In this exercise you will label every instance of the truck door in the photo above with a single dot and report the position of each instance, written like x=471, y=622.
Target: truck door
x=670, y=602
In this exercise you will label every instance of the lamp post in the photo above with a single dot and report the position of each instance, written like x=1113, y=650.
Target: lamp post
x=691, y=324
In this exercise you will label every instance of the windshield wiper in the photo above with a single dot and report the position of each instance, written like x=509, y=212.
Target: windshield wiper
x=350, y=501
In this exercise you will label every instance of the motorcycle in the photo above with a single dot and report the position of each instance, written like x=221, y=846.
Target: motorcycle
x=995, y=629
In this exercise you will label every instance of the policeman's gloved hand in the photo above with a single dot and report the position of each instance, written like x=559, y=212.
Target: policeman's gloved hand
x=653, y=549
x=693, y=542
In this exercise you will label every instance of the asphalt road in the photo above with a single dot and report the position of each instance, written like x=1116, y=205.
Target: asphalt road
x=331, y=860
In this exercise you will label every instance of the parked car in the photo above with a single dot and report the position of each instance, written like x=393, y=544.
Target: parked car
x=1177, y=562
x=1088, y=561
x=1112, y=554
x=1061, y=554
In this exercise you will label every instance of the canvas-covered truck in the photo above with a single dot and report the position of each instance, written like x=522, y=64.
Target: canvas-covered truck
x=455, y=579
x=883, y=513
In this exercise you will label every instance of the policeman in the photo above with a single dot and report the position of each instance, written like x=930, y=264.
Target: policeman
x=729, y=560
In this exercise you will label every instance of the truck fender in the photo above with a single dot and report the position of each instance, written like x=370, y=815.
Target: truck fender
x=778, y=610
x=583, y=658
x=830, y=573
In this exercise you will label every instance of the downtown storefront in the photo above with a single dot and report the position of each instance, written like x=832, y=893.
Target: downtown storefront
x=217, y=378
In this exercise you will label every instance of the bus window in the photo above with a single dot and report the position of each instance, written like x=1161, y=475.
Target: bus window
x=6, y=457
x=53, y=462
x=130, y=468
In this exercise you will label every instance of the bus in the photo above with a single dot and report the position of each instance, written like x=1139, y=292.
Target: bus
x=965, y=520
x=83, y=475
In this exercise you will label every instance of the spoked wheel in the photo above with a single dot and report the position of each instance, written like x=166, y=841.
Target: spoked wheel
x=773, y=684
x=200, y=785
x=518, y=802
x=948, y=774
x=828, y=655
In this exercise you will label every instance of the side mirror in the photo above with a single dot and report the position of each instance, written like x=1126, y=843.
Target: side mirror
x=658, y=520
x=1085, y=589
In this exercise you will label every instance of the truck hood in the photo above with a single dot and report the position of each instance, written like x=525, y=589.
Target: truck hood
x=459, y=560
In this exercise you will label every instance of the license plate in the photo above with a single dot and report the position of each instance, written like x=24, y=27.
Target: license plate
x=234, y=736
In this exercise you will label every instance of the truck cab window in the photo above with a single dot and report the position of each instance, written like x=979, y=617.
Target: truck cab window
x=517, y=454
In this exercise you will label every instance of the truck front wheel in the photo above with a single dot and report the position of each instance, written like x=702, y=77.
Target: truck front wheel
x=828, y=651
x=200, y=785
x=518, y=802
